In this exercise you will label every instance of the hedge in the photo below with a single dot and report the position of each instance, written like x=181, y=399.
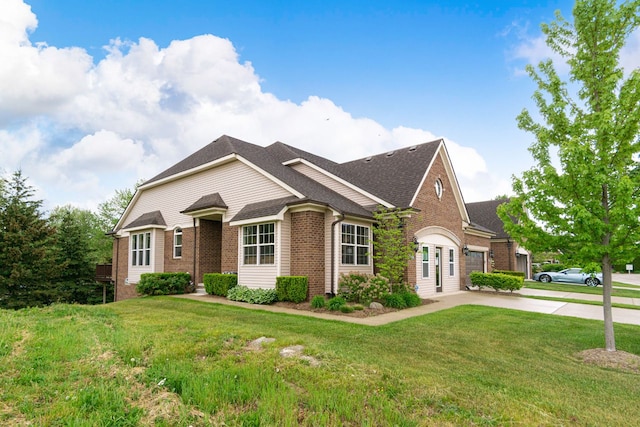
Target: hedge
x=510, y=273
x=292, y=288
x=496, y=281
x=219, y=284
x=164, y=283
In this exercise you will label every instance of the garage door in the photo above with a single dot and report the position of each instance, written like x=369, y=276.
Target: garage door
x=475, y=262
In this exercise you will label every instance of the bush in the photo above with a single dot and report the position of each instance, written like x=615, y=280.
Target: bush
x=252, y=296
x=292, y=288
x=496, y=281
x=510, y=273
x=358, y=307
x=394, y=301
x=163, y=283
x=335, y=303
x=219, y=284
x=411, y=299
x=346, y=309
x=362, y=288
x=552, y=267
x=318, y=302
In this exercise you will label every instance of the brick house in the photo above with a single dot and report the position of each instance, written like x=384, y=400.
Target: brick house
x=507, y=253
x=265, y=212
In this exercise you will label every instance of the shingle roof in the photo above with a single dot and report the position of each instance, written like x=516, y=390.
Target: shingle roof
x=209, y=201
x=262, y=209
x=149, y=218
x=259, y=156
x=485, y=214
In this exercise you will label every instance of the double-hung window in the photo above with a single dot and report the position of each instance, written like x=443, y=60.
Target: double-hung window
x=355, y=244
x=141, y=249
x=259, y=244
x=451, y=263
x=177, y=243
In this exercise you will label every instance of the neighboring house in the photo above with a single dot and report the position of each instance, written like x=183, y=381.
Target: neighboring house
x=265, y=212
x=507, y=253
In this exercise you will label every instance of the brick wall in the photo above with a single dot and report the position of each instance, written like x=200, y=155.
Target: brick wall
x=120, y=269
x=307, y=249
x=229, y=253
x=184, y=264
x=441, y=212
x=209, y=248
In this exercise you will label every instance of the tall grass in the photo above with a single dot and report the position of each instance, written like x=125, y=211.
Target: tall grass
x=168, y=361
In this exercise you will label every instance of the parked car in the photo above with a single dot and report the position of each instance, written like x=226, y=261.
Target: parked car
x=569, y=275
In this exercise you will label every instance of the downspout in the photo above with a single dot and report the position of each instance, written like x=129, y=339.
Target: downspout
x=509, y=253
x=333, y=251
x=115, y=283
x=194, y=279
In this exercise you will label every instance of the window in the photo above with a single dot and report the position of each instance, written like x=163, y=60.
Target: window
x=177, y=243
x=355, y=244
x=439, y=188
x=451, y=263
x=258, y=244
x=425, y=262
x=141, y=249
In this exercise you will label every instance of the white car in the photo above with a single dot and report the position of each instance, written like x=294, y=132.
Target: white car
x=569, y=275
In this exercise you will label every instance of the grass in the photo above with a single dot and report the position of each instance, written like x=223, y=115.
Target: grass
x=582, y=301
x=170, y=362
x=581, y=289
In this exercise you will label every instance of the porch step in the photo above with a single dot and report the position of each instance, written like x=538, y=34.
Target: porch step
x=200, y=289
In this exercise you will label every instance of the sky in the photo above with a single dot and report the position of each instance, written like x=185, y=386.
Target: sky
x=95, y=96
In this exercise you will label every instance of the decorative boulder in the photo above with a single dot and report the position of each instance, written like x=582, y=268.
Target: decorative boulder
x=376, y=306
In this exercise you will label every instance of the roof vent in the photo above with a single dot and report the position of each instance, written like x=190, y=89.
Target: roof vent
x=368, y=159
x=391, y=153
x=413, y=148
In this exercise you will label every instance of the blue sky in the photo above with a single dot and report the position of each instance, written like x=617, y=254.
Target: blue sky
x=116, y=91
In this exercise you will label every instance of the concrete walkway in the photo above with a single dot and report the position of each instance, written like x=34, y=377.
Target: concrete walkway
x=620, y=315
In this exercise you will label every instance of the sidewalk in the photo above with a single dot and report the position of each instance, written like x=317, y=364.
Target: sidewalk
x=620, y=315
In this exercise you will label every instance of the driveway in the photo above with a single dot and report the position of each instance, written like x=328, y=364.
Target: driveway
x=630, y=279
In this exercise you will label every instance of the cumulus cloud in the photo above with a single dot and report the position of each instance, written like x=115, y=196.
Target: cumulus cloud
x=81, y=128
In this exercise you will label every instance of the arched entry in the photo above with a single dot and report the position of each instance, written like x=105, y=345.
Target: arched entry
x=438, y=263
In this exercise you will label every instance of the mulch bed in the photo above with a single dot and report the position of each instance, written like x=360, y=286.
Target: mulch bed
x=366, y=312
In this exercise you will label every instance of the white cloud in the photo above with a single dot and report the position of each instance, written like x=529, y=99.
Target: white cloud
x=630, y=53
x=80, y=129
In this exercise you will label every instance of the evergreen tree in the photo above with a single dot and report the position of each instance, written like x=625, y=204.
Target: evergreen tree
x=28, y=266
x=583, y=196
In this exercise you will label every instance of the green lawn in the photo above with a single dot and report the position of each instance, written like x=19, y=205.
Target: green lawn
x=583, y=289
x=167, y=361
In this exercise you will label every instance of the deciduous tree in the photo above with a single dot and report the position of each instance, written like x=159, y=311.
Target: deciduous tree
x=583, y=195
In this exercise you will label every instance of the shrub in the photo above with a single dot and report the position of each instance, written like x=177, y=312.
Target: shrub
x=510, y=273
x=335, y=303
x=399, y=288
x=394, y=301
x=411, y=299
x=362, y=288
x=163, y=283
x=219, y=284
x=346, y=309
x=292, y=288
x=358, y=307
x=252, y=296
x=552, y=267
x=496, y=281
x=318, y=302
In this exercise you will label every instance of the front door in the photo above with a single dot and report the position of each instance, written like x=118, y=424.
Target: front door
x=438, y=270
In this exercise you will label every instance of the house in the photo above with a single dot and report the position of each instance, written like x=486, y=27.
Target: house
x=507, y=253
x=265, y=212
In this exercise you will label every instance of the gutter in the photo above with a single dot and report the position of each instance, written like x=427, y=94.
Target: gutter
x=333, y=251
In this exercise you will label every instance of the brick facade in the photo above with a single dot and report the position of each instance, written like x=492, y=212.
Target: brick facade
x=184, y=264
x=120, y=270
x=229, y=253
x=307, y=249
x=209, y=252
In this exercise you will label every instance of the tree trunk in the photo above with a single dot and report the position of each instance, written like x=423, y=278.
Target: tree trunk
x=607, y=285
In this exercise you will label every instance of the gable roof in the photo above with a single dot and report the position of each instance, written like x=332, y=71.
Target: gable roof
x=485, y=214
x=205, y=202
x=154, y=218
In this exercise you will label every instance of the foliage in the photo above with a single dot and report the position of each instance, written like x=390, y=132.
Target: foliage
x=335, y=303
x=318, y=301
x=510, y=273
x=362, y=287
x=358, y=307
x=394, y=301
x=252, y=296
x=292, y=288
x=219, y=283
x=411, y=299
x=28, y=253
x=583, y=196
x=497, y=282
x=552, y=267
x=392, y=249
x=163, y=283
x=110, y=211
x=347, y=309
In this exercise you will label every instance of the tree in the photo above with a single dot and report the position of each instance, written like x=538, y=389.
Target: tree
x=28, y=264
x=391, y=249
x=582, y=196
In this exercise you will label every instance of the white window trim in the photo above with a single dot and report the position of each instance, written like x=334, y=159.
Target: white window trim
x=355, y=245
x=177, y=232
x=141, y=252
x=258, y=245
x=425, y=262
x=452, y=262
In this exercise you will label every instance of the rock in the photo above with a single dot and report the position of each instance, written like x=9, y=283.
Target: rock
x=296, y=351
x=257, y=343
x=376, y=306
